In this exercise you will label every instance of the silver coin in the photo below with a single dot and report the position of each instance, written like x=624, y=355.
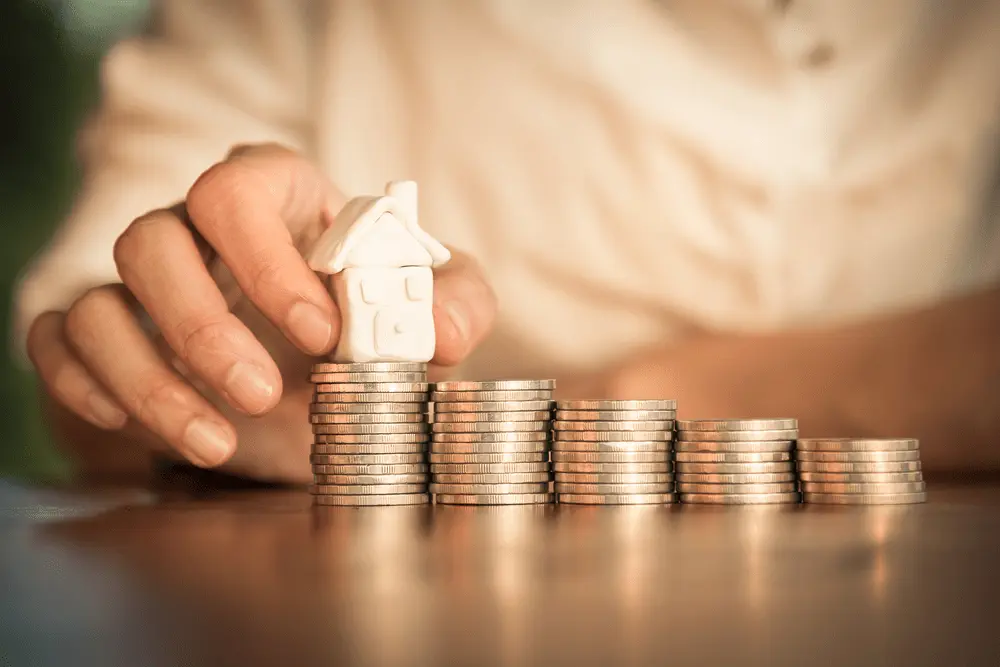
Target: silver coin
x=372, y=387
x=374, y=501
x=738, y=424
x=490, y=396
x=660, y=425
x=862, y=477
x=495, y=385
x=871, y=488
x=478, y=417
x=367, y=408
x=630, y=499
x=736, y=478
x=603, y=489
x=739, y=499
x=365, y=489
x=493, y=499
x=613, y=468
x=857, y=445
x=739, y=489
x=864, y=498
x=735, y=468
x=626, y=446
x=370, y=429
x=614, y=478
x=610, y=457
x=652, y=404
x=737, y=436
x=505, y=457
x=733, y=447
x=371, y=469
x=491, y=427
x=615, y=416
x=383, y=418
x=492, y=406
x=488, y=468
x=371, y=367
x=370, y=438
x=360, y=378
x=508, y=478
x=365, y=459
x=858, y=457
x=732, y=457
x=488, y=447
x=370, y=398
x=870, y=467
x=613, y=436
x=369, y=480
x=499, y=436
x=488, y=489
x=398, y=448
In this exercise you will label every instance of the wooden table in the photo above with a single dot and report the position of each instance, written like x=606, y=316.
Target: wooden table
x=258, y=577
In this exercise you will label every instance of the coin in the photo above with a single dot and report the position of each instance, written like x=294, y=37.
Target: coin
x=651, y=404
x=507, y=478
x=526, y=416
x=371, y=469
x=858, y=457
x=488, y=447
x=372, y=387
x=615, y=478
x=490, y=427
x=493, y=406
x=396, y=448
x=614, y=468
x=865, y=487
x=864, y=498
x=738, y=424
x=369, y=398
x=732, y=457
x=490, y=396
x=739, y=499
x=493, y=499
x=735, y=468
x=658, y=425
x=736, y=478
x=411, y=478
x=374, y=501
x=780, y=487
x=365, y=489
x=631, y=499
x=733, y=447
x=864, y=467
x=367, y=408
x=369, y=429
x=499, y=436
x=488, y=468
x=495, y=385
x=610, y=457
x=612, y=489
x=370, y=438
x=737, y=436
x=382, y=418
x=360, y=378
x=615, y=415
x=857, y=445
x=636, y=446
x=365, y=459
x=613, y=436
x=488, y=489
x=862, y=477
x=505, y=457
x=371, y=367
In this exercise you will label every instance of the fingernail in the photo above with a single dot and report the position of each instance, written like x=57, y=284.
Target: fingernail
x=249, y=387
x=105, y=412
x=459, y=318
x=310, y=326
x=208, y=444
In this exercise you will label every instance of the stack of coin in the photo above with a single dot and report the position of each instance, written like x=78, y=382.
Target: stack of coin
x=490, y=442
x=370, y=428
x=736, y=461
x=613, y=452
x=847, y=471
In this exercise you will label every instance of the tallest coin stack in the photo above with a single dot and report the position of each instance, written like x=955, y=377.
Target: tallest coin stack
x=371, y=431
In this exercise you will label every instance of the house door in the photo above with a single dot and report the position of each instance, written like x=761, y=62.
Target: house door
x=404, y=331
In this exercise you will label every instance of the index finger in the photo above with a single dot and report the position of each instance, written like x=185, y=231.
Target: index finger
x=246, y=208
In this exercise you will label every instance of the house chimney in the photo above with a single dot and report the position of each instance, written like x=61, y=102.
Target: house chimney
x=405, y=193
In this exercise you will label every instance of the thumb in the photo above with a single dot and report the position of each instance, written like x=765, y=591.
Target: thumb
x=465, y=308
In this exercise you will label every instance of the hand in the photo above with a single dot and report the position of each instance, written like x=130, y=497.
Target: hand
x=236, y=307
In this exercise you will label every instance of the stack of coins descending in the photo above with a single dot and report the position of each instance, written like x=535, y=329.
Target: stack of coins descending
x=737, y=461
x=614, y=452
x=490, y=442
x=370, y=428
x=846, y=471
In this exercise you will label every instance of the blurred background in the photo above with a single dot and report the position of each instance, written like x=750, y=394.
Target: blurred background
x=50, y=50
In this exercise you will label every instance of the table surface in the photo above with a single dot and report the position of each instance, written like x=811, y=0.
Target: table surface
x=202, y=576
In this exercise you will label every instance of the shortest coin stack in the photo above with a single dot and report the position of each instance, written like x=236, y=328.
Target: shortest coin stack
x=490, y=442
x=614, y=452
x=846, y=471
x=370, y=433
x=736, y=461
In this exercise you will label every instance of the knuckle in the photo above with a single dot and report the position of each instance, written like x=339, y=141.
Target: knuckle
x=266, y=277
x=87, y=309
x=156, y=392
x=41, y=335
x=212, y=333
x=137, y=240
